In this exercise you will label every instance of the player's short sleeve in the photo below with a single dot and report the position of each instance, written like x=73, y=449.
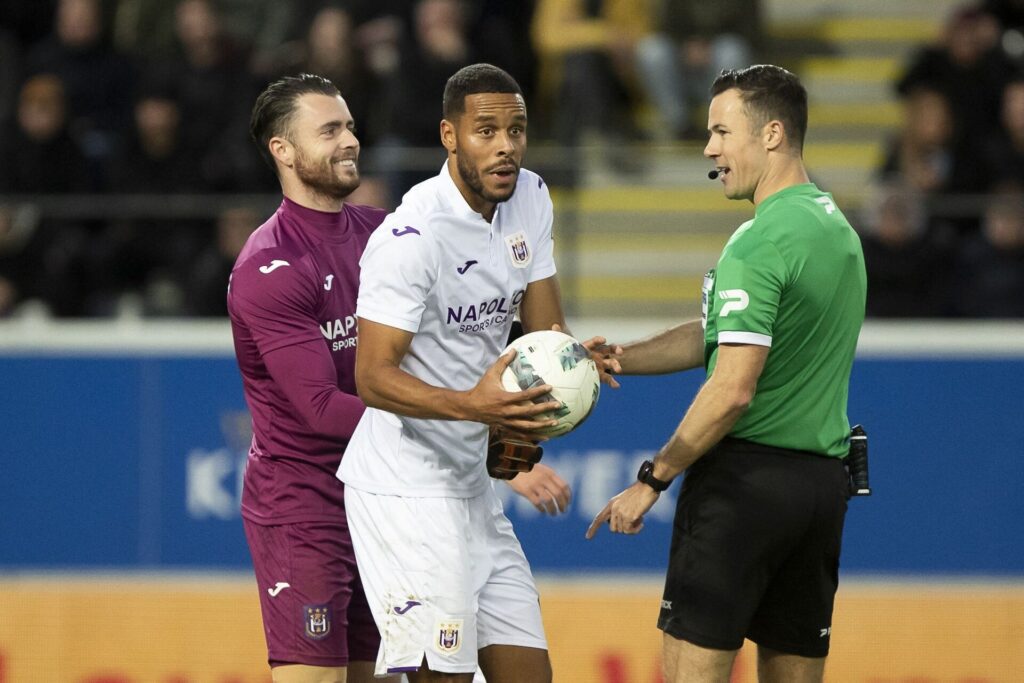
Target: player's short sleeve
x=397, y=272
x=749, y=282
x=543, y=265
x=275, y=298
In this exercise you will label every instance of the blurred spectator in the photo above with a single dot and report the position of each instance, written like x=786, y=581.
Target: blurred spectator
x=207, y=281
x=40, y=157
x=694, y=42
x=215, y=93
x=330, y=50
x=20, y=257
x=970, y=69
x=96, y=79
x=258, y=28
x=1010, y=16
x=22, y=24
x=588, y=60
x=990, y=273
x=500, y=34
x=1003, y=155
x=907, y=266
x=153, y=158
x=150, y=254
x=921, y=153
x=439, y=47
x=39, y=153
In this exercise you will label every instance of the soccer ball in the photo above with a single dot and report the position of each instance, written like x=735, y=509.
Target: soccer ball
x=555, y=358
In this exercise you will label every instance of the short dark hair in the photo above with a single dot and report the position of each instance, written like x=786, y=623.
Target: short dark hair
x=769, y=92
x=275, y=106
x=472, y=80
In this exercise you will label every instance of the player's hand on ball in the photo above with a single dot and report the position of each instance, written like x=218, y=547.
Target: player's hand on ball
x=625, y=512
x=489, y=402
x=542, y=486
x=605, y=357
x=509, y=454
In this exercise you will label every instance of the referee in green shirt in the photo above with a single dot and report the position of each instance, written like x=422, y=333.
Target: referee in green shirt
x=759, y=522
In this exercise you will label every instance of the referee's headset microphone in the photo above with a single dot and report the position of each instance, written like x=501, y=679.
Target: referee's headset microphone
x=713, y=174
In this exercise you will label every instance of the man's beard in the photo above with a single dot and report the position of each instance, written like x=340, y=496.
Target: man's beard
x=322, y=179
x=471, y=177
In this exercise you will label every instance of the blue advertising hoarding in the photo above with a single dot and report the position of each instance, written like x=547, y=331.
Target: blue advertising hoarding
x=134, y=461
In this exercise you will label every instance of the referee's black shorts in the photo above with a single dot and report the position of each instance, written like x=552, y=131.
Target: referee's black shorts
x=755, y=549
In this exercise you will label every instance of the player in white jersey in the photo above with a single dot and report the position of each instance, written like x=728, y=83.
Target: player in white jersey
x=442, y=279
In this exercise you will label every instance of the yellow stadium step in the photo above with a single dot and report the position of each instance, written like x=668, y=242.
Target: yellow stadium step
x=844, y=155
x=852, y=69
x=885, y=115
x=917, y=30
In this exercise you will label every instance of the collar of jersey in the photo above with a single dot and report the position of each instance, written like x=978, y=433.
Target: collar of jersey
x=802, y=188
x=329, y=225
x=460, y=207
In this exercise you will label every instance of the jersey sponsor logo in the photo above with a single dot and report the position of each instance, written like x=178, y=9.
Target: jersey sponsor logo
x=463, y=268
x=345, y=329
x=318, y=621
x=328, y=281
x=407, y=230
x=478, y=317
x=272, y=266
x=666, y=604
x=449, y=636
x=278, y=587
x=825, y=632
x=409, y=604
x=735, y=300
x=519, y=250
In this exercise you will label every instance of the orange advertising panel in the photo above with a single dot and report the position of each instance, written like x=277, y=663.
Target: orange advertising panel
x=192, y=630
x=881, y=633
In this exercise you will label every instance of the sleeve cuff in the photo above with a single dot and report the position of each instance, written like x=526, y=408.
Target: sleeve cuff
x=390, y=320
x=744, y=338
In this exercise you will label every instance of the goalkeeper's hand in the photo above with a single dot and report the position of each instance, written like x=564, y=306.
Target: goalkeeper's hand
x=509, y=453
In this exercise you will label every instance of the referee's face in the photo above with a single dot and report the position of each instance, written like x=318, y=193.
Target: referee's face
x=737, y=151
x=487, y=142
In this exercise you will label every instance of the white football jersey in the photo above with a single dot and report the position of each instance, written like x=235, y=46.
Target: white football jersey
x=437, y=269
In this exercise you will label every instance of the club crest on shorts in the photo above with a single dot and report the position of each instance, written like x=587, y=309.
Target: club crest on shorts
x=318, y=620
x=519, y=250
x=449, y=636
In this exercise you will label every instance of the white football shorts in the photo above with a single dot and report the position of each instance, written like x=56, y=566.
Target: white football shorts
x=444, y=577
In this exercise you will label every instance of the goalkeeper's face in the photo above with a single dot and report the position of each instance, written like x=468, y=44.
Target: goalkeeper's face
x=326, y=156
x=736, y=145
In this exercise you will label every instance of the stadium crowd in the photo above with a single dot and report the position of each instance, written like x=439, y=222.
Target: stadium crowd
x=111, y=98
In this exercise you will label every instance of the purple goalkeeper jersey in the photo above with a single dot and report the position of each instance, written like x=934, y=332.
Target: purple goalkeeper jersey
x=292, y=302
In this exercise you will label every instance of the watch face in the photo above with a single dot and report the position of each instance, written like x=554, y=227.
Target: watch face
x=646, y=475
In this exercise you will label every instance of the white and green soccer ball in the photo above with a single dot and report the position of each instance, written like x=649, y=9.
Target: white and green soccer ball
x=555, y=358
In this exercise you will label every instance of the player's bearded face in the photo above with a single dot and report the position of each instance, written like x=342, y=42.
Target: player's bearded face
x=471, y=175
x=335, y=174
x=490, y=141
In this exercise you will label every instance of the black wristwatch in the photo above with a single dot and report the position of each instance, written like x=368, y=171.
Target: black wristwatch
x=646, y=475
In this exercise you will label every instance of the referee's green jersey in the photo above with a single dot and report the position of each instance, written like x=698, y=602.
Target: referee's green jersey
x=793, y=279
